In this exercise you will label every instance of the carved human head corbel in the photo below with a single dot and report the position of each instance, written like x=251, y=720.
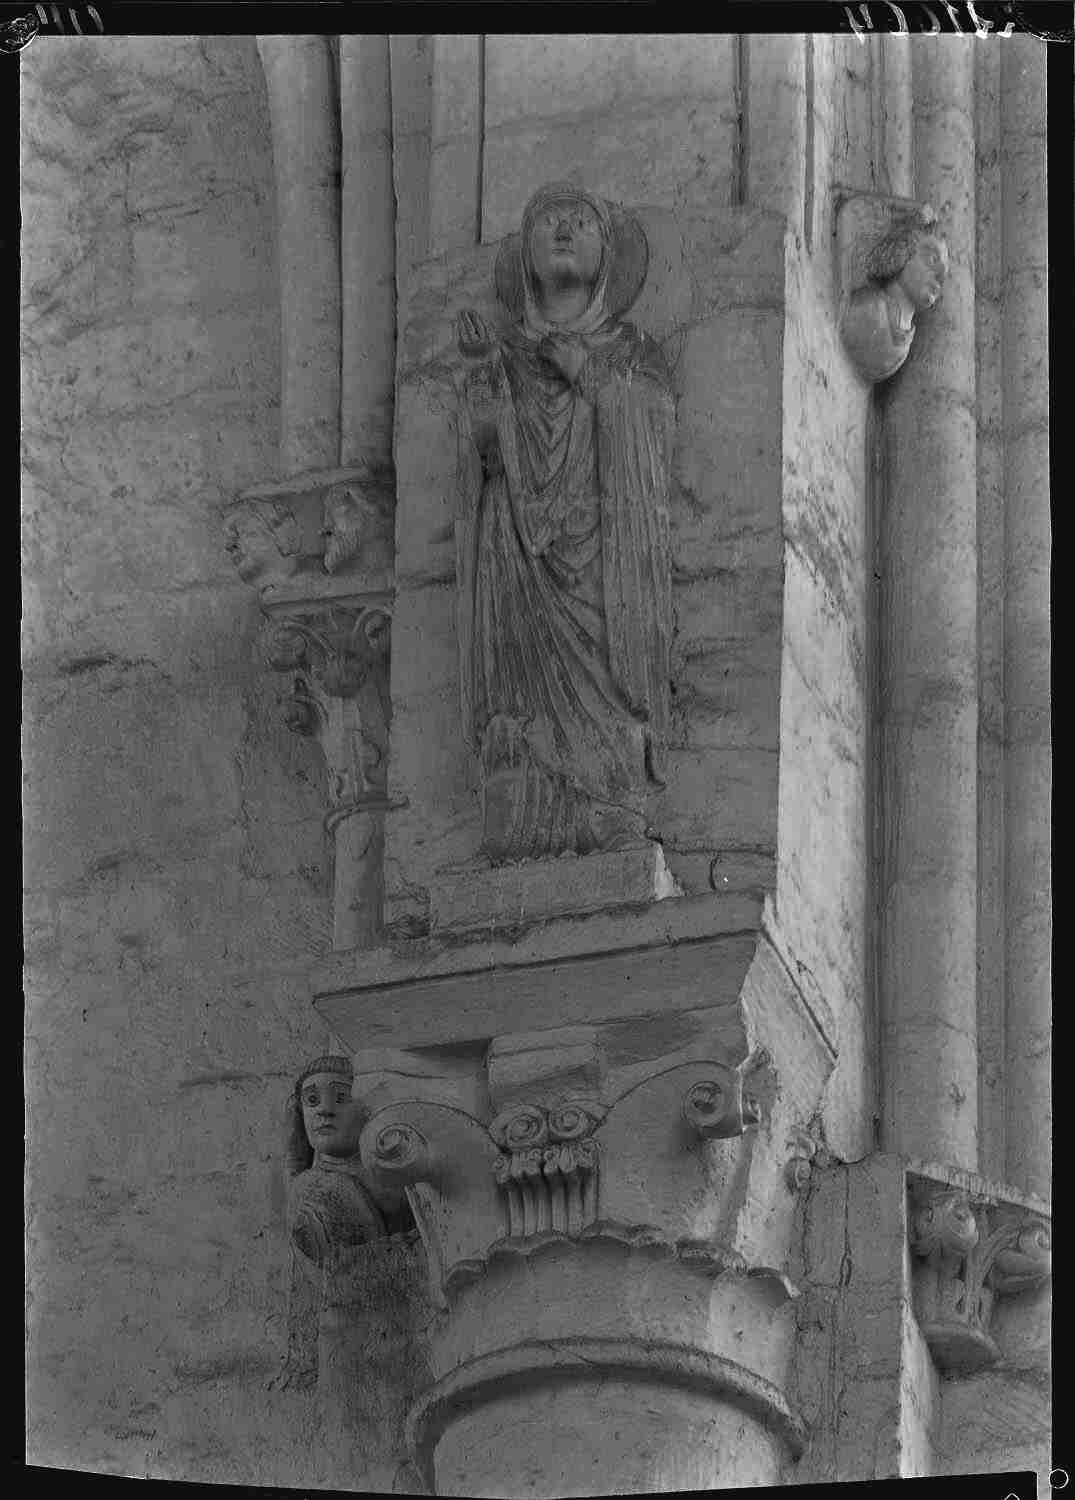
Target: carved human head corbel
x=263, y=543
x=900, y=273
x=352, y=521
x=325, y=1120
x=331, y=1208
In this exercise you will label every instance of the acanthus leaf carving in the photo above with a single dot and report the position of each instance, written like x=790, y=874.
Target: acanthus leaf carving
x=337, y=657
x=967, y=1254
x=673, y=1145
x=548, y=1166
x=319, y=550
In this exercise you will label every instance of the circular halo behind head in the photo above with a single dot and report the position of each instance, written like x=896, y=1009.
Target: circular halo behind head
x=627, y=253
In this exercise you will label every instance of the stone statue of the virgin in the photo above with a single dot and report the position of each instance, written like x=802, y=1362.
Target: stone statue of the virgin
x=565, y=591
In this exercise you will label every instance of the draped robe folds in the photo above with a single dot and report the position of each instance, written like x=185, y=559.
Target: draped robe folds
x=565, y=589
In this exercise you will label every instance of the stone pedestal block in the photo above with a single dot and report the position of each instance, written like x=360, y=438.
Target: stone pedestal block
x=509, y=896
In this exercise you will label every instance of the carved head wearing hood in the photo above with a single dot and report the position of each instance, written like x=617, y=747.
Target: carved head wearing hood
x=567, y=233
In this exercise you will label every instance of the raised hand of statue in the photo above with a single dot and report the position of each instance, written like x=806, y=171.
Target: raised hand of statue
x=474, y=334
x=567, y=355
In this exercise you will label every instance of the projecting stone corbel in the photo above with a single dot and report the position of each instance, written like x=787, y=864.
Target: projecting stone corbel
x=891, y=263
x=969, y=1250
x=318, y=550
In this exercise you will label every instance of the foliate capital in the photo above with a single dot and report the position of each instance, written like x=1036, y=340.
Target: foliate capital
x=660, y=1160
x=969, y=1248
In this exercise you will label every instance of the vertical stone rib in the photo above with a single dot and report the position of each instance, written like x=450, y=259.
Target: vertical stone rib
x=368, y=251
x=929, y=665
x=776, y=108
x=412, y=115
x=894, y=114
x=991, y=858
x=1028, y=759
x=300, y=77
x=455, y=143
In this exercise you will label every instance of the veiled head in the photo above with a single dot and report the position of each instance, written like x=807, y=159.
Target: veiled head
x=566, y=238
x=567, y=233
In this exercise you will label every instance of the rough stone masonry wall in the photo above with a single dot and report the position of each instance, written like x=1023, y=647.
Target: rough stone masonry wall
x=175, y=866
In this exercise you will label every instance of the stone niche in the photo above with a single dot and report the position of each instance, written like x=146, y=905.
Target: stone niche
x=713, y=299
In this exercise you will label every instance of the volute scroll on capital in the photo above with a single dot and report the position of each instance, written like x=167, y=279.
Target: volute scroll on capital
x=654, y=1169
x=718, y=1107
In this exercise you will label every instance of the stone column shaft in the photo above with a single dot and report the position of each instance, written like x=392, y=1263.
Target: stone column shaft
x=929, y=665
x=892, y=64
x=774, y=123
x=368, y=251
x=300, y=76
x=456, y=143
x=1028, y=759
x=358, y=845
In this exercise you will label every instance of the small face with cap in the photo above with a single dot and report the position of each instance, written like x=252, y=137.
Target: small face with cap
x=923, y=276
x=333, y=1120
x=566, y=243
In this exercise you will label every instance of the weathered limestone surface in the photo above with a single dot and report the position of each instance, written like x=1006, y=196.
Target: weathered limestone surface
x=639, y=119
x=821, y=883
x=300, y=77
x=929, y=668
x=175, y=865
x=989, y=377
x=865, y=1382
x=367, y=249
x=1028, y=738
x=456, y=142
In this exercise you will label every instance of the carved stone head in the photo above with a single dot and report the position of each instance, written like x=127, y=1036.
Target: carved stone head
x=569, y=236
x=349, y=519
x=924, y=273
x=566, y=236
x=262, y=542
x=913, y=255
x=326, y=1120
